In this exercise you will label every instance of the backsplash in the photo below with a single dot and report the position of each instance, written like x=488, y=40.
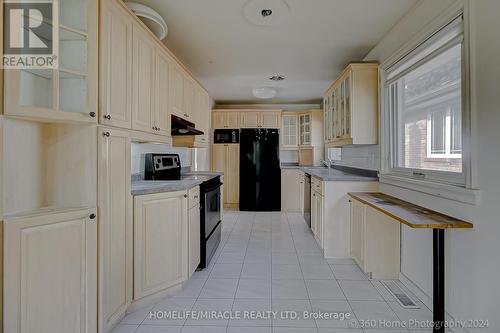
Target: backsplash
x=139, y=149
x=363, y=157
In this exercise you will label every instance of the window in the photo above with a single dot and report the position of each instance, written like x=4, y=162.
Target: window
x=424, y=98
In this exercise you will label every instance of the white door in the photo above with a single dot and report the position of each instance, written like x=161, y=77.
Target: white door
x=115, y=227
x=161, y=242
x=51, y=281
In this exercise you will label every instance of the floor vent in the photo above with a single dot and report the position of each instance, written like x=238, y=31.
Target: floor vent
x=403, y=299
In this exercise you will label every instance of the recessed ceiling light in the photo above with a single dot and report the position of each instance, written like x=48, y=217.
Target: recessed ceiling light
x=267, y=12
x=264, y=92
x=277, y=77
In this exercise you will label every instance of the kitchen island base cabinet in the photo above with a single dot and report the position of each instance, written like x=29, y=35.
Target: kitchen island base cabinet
x=160, y=242
x=375, y=242
x=330, y=216
x=115, y=227
x=51, y=281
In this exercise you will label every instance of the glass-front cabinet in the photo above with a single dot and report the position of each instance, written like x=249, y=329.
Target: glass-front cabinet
x=305, y=129
x=68, y=92
x=290, y=131
x=342, y=113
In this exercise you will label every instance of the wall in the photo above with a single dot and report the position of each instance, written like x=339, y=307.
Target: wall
x=196, y=158
x=472, y=267
x=363, y=157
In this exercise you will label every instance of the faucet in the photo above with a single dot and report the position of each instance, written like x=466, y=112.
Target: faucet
x=328, y=163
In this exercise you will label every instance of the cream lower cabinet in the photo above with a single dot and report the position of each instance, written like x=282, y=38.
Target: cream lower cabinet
x=115, y=227
x=375, y=241
x=194, y=230
x=292, y=190
x=331, y=202
x=51, y=281
x=317, y=218
x=226, y=159
x=160, y=242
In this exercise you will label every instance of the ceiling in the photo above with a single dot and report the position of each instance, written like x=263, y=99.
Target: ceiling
x=230, y=55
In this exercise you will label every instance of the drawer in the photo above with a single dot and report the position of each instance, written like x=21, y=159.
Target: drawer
x=317, y=185
x=194, y=196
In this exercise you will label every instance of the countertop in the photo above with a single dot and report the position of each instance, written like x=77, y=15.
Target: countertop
x=326, y=174
x=407, y=213
x=188, y=181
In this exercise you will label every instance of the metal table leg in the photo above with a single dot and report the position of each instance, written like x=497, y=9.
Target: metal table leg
x=438, y=281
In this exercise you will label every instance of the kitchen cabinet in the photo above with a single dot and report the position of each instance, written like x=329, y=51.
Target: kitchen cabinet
x=160, y=242
x=292, y=190
x=226, y=159
x=115, y=66
x=317, y=217
x=375, y=241
x=189, y=95
x=162, y=119
x=176, y=92
x=305, y=129
x=201, y=117
x=257, y=119
x=67, y=93
x=115, y=227
x=144, y=77
x=225, y=119
x=289, y=131
x=351, y=107
x=51, y=281
x=330, y=214
x=194, y=231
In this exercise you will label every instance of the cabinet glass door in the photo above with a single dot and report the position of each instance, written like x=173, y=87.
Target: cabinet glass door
x=305, y=130
x=73, y=14
x=347, y=95
x=36, y=88
x=289, y=131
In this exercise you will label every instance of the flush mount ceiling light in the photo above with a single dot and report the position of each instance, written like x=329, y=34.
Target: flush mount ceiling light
x=277, y=77
x=152, y=19
x=264, y=92
x=266, y=12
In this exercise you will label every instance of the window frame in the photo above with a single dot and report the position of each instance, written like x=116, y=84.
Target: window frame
x=389, y=123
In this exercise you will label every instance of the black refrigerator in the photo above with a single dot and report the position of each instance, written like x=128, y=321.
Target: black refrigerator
x=260, y=173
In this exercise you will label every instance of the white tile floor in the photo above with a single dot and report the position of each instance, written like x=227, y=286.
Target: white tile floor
x=270, y=261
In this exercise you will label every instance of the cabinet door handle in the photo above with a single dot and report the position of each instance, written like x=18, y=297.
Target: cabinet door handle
x=92, y=216
x=185, y=195
x=92, y=114
x=108, y=117
x=196, y=197
x=106, y=134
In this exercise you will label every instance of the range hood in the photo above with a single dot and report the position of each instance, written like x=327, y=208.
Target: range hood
x=183, y=127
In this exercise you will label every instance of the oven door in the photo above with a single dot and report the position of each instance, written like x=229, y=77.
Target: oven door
x=212, y=206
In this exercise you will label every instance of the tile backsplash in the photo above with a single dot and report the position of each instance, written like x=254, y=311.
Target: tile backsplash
x=363, y=157
x=139, y=149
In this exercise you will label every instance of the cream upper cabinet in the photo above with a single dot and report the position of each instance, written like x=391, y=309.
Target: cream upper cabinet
x=270, y=119
x=189, y=96
x=305, y=129
x=201, y=116
x=160, y=242
x=115, y=227
x=68, y=92
x=351, y=107
x=115, y=66
x=250, y=119
x=289, y=131
x=225, y=119
x=143, y=101
x=226, y=159
x=257, y=119
x=162, y=119
x=176, y=91
x=51, y=281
